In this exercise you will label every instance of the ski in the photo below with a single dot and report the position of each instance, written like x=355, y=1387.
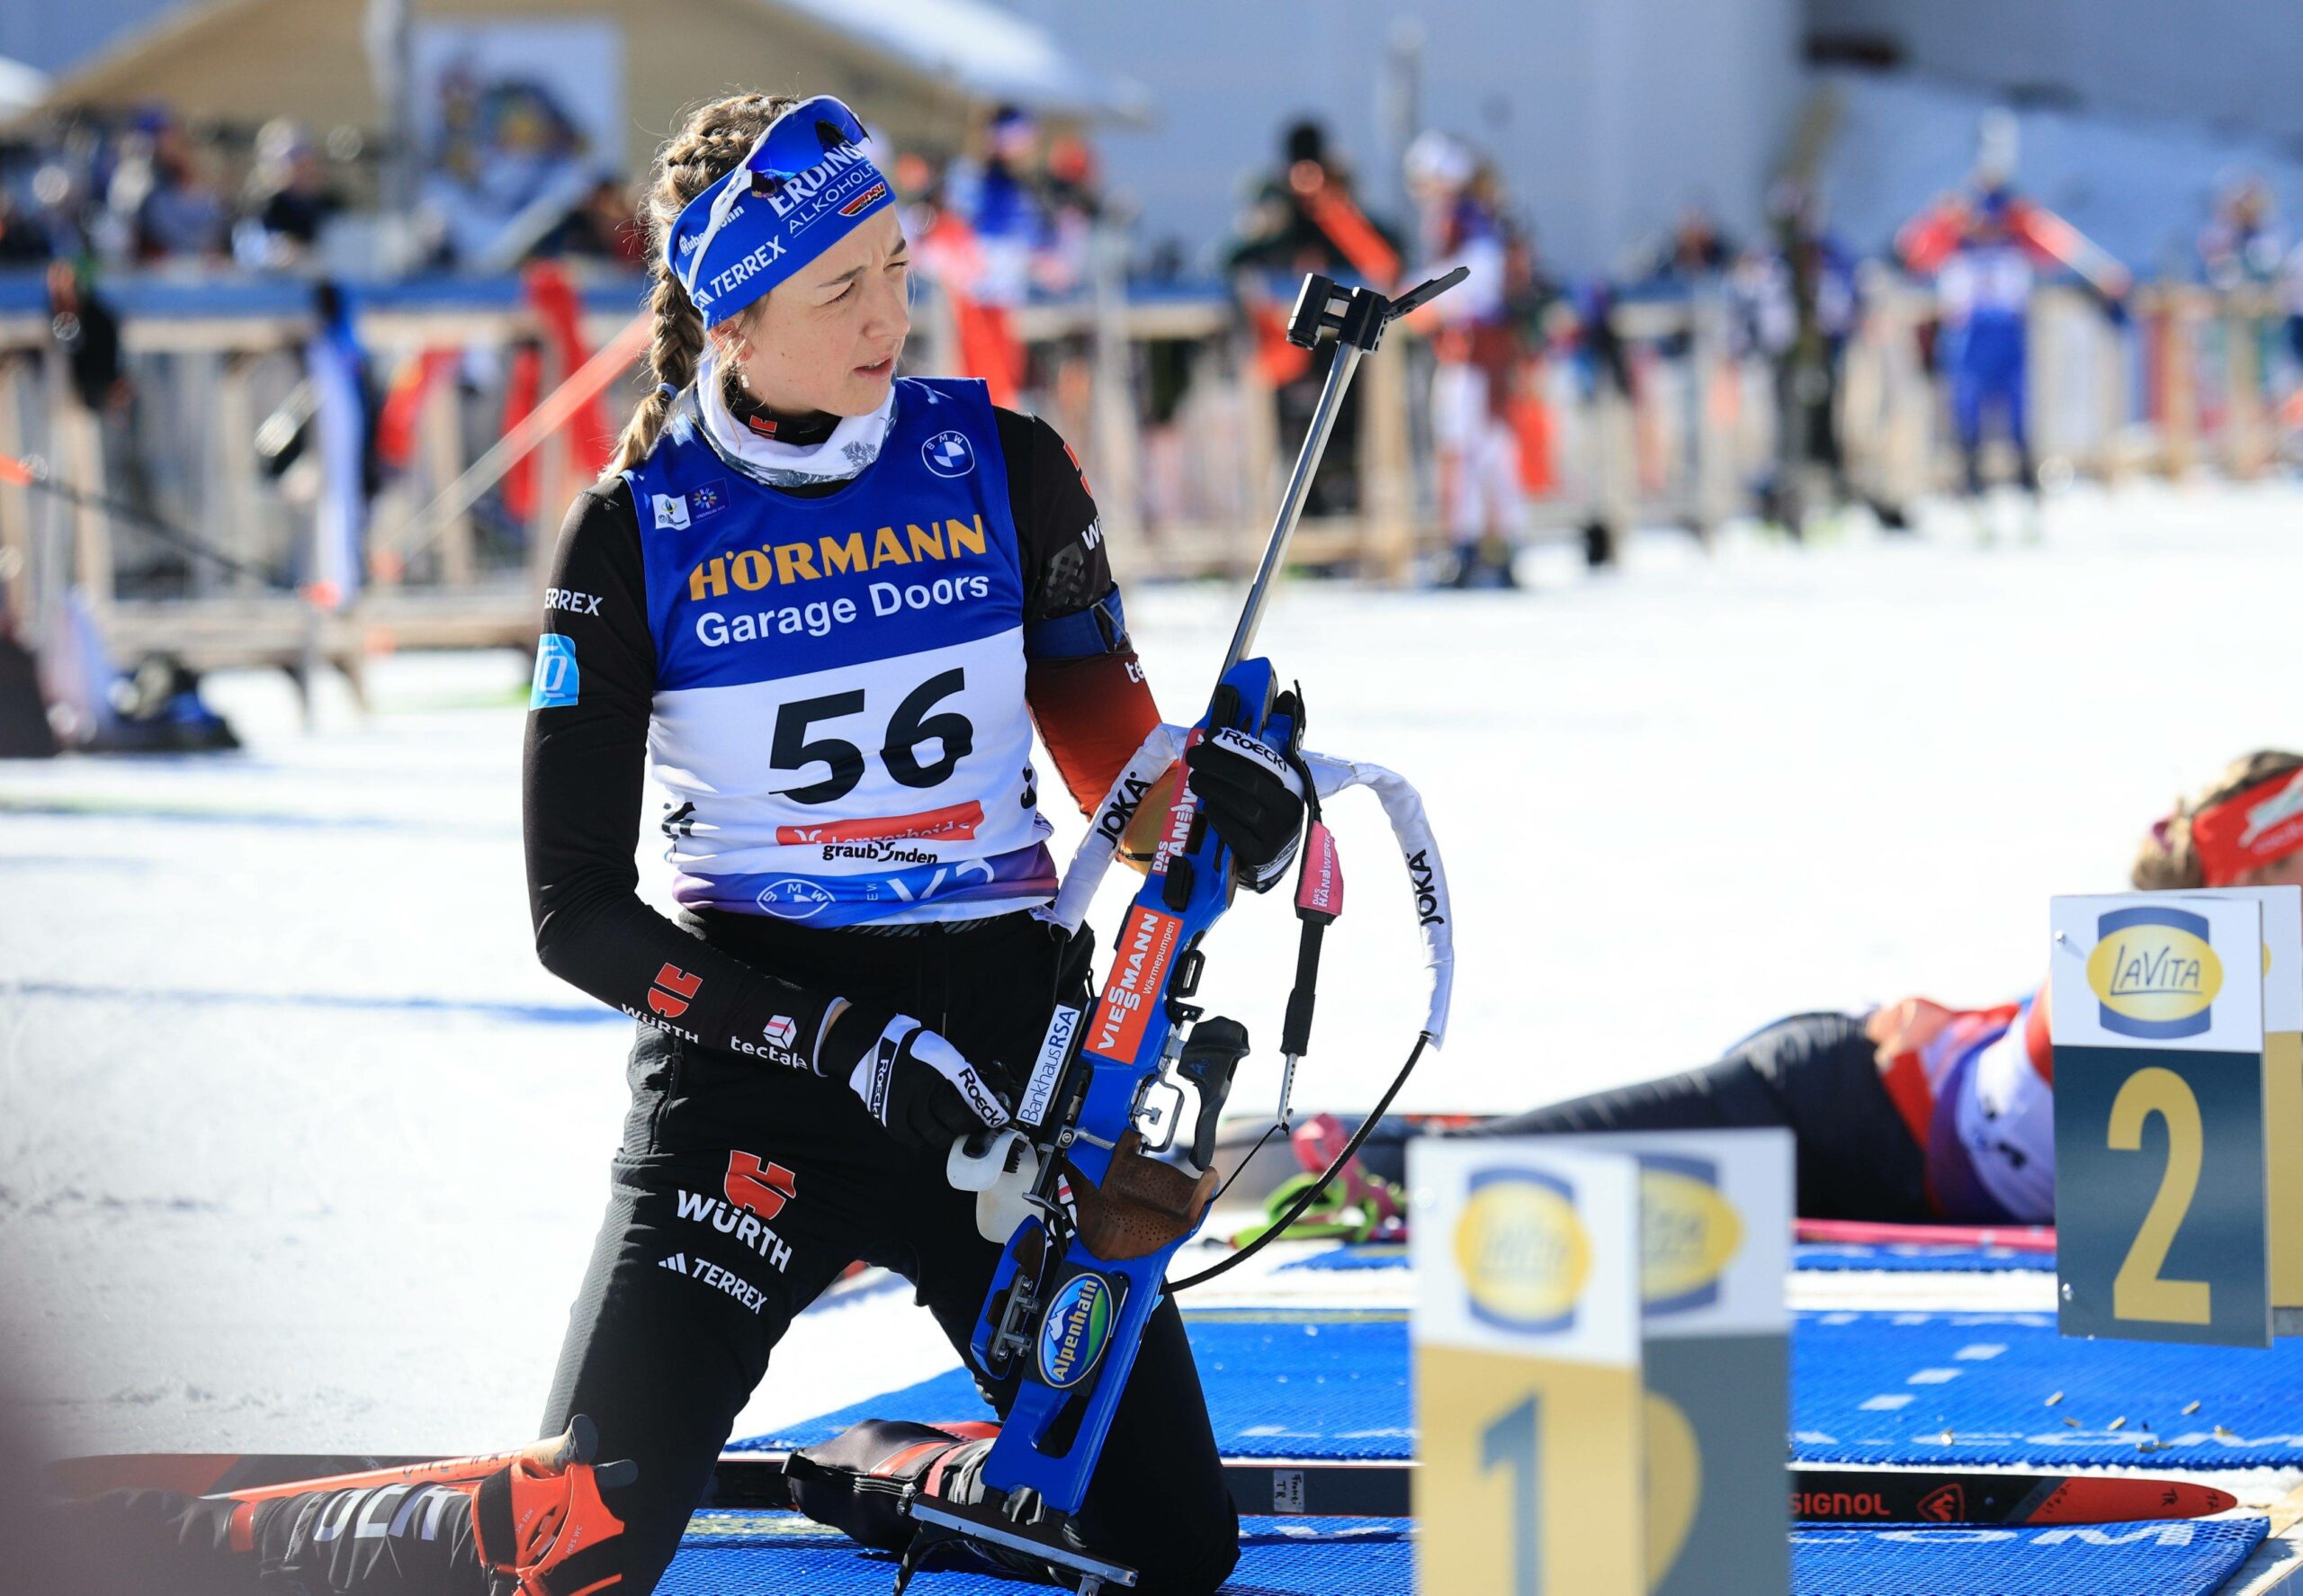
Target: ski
x=252, y=1477
x=1383, y=1489
x=1853, y=1233
x=1933, y=1496
x=1290, y=1487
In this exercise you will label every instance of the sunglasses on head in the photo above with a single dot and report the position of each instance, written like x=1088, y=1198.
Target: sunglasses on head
x=798, y=140
x=791, y=146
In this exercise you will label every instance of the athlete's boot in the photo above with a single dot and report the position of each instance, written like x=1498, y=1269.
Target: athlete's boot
x=548, y=1530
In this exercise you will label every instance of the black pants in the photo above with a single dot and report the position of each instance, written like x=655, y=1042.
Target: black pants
x=687, y=1296
x=1816, y=1075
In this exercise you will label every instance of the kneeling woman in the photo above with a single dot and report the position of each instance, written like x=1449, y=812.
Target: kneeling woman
x=1916, y=1112
x=830, y=603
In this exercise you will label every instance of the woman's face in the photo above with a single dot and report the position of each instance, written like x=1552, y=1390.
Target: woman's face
x=826, y=338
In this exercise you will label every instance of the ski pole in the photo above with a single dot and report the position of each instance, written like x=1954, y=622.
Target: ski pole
x=33, y=472
x=577, y=1444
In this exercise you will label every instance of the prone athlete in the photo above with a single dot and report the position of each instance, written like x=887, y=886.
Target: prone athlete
x=1911, y=1113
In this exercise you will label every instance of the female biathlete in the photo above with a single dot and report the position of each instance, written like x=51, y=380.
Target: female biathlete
x=830, y=603
x=1916, y=1112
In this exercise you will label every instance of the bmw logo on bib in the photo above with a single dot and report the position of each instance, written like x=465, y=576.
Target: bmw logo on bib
x=792, y=899
x=948, y=454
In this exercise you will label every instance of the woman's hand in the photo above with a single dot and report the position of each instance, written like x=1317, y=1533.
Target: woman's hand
x=1253, y=798
x=919, y=1087
x=1905, y=1027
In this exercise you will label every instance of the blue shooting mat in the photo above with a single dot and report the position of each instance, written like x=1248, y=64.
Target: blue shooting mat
x=1961, y=1388
x=1867, y=1387
x=781, y=1554
x=2186, y=1557
x=1279, y=1384
x=1896, y=1257
x=1348, y=1255
x=773, y=1554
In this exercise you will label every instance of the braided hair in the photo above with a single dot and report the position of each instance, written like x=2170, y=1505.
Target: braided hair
x=710, y=144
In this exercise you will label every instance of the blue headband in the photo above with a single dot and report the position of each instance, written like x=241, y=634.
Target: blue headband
x=807, y=174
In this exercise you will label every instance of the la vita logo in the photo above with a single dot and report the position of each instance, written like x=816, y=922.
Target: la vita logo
x=1523, y=1251
x=2154, y=975
x=1688, y=1233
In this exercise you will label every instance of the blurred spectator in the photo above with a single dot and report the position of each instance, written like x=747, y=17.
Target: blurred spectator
x=2290, y=287
x=1070, y=192
x=87, y=333
x=1303, y=217
x=1697, y=252
x=2240, y=253
x=990, y=229
x=603, y=227
x=2240, y=246
x=161, y=196
x=23, y=241
x=1983, y=255
x=1799, y=307
x=1475, y=344
x=1000, y=199
x=289, y=199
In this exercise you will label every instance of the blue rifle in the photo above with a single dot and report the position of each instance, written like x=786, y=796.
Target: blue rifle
x=1121, y=1111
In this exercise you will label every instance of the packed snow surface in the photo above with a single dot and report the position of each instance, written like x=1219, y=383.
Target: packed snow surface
x=300, y=1149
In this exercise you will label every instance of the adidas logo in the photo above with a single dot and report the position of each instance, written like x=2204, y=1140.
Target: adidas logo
x=677, y=1262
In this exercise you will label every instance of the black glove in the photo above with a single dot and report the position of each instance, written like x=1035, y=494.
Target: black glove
x=910, y=1080
x=1253, y=798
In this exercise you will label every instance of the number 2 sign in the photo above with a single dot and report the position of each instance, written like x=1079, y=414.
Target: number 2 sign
x=2162, y=1195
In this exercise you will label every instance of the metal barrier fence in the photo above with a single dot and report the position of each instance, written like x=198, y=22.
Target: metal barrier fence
x=1187, y=468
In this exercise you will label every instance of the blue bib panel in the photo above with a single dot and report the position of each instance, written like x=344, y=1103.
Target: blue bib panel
x=840, y=710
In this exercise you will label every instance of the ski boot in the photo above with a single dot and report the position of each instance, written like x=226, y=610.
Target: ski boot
x=547, y=1530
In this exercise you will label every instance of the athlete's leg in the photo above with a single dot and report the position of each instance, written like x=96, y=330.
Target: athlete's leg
x=465, y=1532
x=1158, y=1500
x=688, y=1291
x=1816, y=1075
x=160, y=1540
x=1966, y=360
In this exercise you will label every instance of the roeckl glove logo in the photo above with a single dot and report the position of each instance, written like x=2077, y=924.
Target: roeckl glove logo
x=1250, y=748
x=883, y=1066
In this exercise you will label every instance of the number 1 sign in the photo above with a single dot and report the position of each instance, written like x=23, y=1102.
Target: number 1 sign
x=1528, y=1403
x=2155, y=1005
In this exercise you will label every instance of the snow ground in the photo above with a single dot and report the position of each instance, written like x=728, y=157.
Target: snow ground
x=300, y=1149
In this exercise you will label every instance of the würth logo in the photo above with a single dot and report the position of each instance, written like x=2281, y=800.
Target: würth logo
x=674, y=990
x=763, y=1191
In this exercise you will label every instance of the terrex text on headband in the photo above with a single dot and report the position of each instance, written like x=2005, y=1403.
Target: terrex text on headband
x=806, y=184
